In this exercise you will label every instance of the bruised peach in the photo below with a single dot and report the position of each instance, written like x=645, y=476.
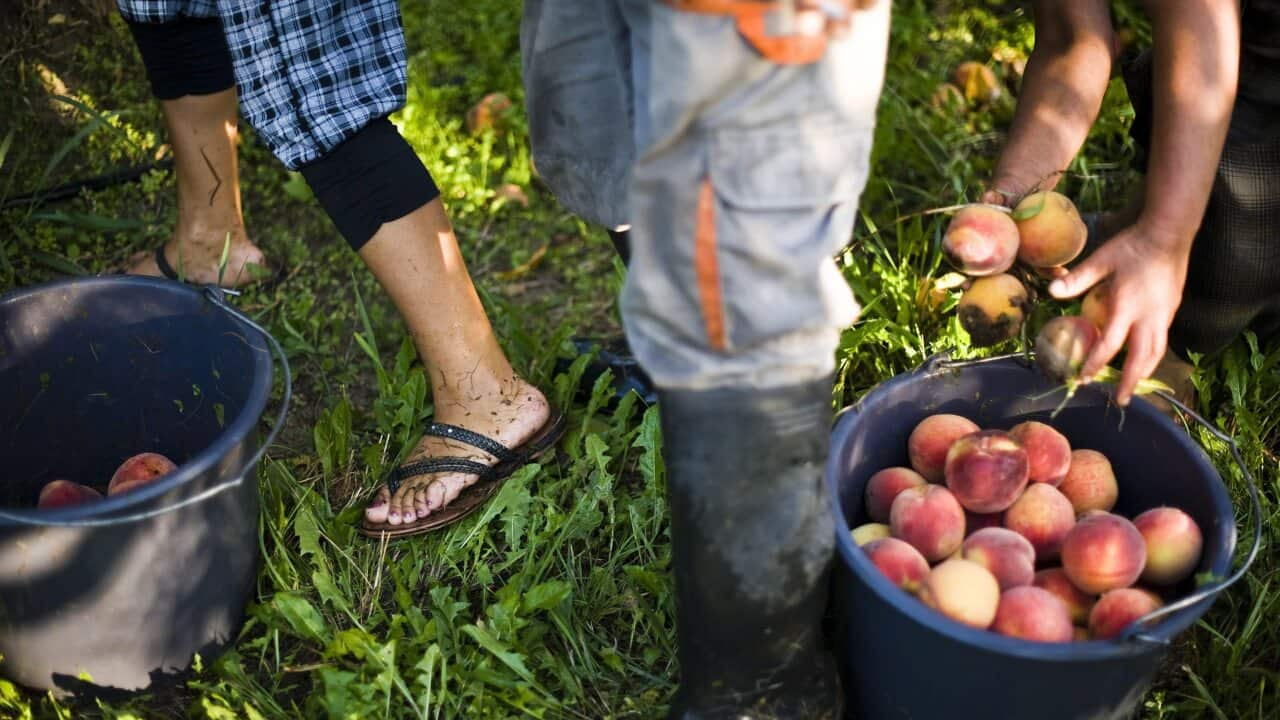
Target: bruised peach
x=1173, y=543
x=869, y=532
x=64, y=493
x=1103, y=552
x=1048, y=452
x=898, y=561
x=929, y=518
x=1062, y=346
x=932, y=438
x=963, y=591
x=977, y=81
x=1096, y=306
x=1031, y=613
x=1050, y=230
x=1115, y=610
x=987, y=470
x=884, y=486
x=139, y=470
x=1006, y=554
x=1055, y=580
x=981, y=240
x=992, y=309
x=1090, y=483
x=1043, y=516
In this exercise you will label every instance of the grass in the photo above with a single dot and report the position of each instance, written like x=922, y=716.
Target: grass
x=556, y=601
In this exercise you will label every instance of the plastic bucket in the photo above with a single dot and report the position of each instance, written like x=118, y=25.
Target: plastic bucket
x=127, y=589
x=900, y=659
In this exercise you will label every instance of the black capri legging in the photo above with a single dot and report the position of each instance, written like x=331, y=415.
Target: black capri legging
x=1233, y=277
x=370, y=178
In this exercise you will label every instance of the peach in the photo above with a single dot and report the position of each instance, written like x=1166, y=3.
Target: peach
x=973, y=522
x=1031, y=613
x=488, y=113
x=987, y=470
x=977, y=81
x=981, y=240
x=884, y=486
x=1043, y=516
x=1173, y=543
x=139, y=470
x=932, y=438
x=992, y=309
x=930, y=519
x=1050, y=230
x=64, y=493
x=1055, y=580
x=1103, y=552
x=1062, y=346
x=963, y=591
x=901, y=563
x=869, y=532
x=946, y=96
x=1005, y=553
x=1096, y=306
x=1048, y=452
x=1090, y=483
x=1115, y=610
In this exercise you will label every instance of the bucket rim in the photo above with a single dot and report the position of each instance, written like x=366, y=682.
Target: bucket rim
x=857, y=564
x=233, y=433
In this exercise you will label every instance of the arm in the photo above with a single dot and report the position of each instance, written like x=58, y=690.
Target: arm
x=1196, y=61
x=1062, y=90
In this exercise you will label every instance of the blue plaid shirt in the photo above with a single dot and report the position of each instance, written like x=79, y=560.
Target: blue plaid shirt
x=310, y=73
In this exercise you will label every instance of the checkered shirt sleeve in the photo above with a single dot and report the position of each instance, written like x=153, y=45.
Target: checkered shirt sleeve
x=310, y=73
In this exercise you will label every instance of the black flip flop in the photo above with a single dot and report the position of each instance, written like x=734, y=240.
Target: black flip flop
x=277, y=274
x=475, y=495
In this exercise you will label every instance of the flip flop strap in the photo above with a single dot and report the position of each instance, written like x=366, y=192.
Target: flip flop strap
x=434, y=465
x=165, y=268
x=474, y=439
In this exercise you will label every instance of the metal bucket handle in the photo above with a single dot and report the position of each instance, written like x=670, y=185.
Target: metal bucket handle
x=1133, y=631
x=215, y=295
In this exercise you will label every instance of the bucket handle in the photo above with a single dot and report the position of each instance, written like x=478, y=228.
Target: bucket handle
x=1133, y=631
x=216, y=296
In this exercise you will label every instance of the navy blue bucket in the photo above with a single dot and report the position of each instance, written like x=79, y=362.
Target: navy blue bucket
x=900, y=659
x=126, y=590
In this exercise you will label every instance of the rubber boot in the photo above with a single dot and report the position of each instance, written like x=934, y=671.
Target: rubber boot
x=752, y=542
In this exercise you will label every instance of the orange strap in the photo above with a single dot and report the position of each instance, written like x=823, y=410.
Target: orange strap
x=706, y=268
x=751, y=17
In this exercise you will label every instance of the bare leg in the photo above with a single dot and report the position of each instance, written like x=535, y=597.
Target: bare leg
x=416, y=258
x=203, y=133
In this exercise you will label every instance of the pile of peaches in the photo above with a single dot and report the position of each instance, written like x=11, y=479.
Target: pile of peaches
x=1013, y=532
x=1044, y=232
x=133, y=473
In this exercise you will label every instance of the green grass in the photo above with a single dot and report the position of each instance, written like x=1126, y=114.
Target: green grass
x=556, y=601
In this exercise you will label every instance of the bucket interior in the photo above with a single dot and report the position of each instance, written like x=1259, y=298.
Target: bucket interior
x=97, y=370
x=1154, y=460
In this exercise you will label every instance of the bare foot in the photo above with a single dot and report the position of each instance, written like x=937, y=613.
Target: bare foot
x=510, y=418
x=197, y=260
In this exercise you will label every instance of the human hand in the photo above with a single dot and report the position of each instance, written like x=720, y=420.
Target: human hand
x=1147, y=267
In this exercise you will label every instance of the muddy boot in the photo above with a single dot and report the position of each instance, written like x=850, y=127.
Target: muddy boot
x=752, y=541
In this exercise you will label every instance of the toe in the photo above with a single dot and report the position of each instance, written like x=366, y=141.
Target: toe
x=436, y=495
x=456, y=485
x=378, y=508
x=400, y=510
x=420, y=505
